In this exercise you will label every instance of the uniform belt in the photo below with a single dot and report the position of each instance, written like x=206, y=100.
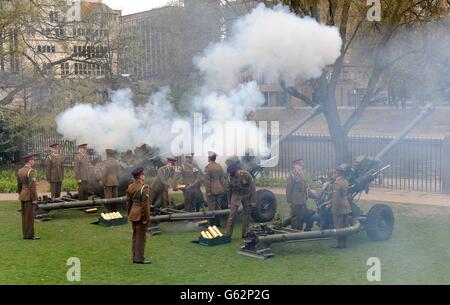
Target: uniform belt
x=139, y=203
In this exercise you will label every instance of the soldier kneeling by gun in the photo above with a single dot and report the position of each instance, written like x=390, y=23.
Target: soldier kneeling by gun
x=297, y=194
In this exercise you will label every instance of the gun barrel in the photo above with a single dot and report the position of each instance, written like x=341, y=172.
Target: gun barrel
x=80, y=204
x=426, y=112
x=192, y=216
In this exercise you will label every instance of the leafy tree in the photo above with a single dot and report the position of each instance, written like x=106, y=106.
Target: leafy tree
x=12, y=136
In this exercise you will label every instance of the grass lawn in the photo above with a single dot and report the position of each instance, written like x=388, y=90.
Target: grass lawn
x=418, y=253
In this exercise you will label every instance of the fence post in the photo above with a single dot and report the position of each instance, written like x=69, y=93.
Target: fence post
x=446, y=165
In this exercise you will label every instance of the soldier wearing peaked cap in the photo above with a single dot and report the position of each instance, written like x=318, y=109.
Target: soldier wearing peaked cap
x=214, y=185
x=191, y=177
x=160, y=185
x=26, y=186
x=81, y=169
x=54, y=170
x=242, y=189
x=297, y=194
x=138, y=208
x=110, y=178
x=340, y=206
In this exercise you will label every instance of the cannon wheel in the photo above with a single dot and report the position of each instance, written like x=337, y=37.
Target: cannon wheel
x=380, y=222
x=266, y=206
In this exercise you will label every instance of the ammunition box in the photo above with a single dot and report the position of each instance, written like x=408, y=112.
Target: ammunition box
x=112, y=222
x=225, y=239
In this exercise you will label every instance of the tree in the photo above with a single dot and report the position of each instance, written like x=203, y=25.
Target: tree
x=26, y=66
x=375, y=40
x=12, y=136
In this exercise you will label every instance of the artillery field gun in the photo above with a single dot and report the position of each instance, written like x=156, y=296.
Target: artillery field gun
x=378, y=222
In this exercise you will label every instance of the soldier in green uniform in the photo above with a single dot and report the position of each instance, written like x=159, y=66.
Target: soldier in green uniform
x=110, y=179
x=81, y=169
x=26, y=186
x=160, y=185
x=214, y=185
x=297, y=194
x=138, y=208
x=191, y=177
x=54, y=170
x=340, y=206
x=241, y=189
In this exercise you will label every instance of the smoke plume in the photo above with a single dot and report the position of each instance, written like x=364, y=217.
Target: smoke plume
x=270, y=43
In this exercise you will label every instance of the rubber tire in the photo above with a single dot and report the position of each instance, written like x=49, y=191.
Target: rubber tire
x=266, y=206
x=380, y=222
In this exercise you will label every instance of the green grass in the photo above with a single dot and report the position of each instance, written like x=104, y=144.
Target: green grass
x=417, y=254
x=266, y=181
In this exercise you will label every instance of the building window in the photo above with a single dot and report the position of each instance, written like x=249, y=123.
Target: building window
x=53, y=16
x=46, y=49
x=281, y=99
x=65, y=69
x=266, y=99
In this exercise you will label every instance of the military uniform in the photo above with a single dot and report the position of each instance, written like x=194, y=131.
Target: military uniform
x=26, y=185
x=160, y=185
x=242, y=189
x=54, y=170
x=340, y=207
x=191, y=176
x=81, y=169
x=139, y=214
x=215, y=187
x=110, y=180
x=297, y=198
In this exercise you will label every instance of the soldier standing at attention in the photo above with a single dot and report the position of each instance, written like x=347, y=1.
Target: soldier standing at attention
x=160, y=185
x=242, y=189
x=191, y=177
x=297, y=197
x=138, y=208
x=26, y=186
x=214, y=185
x=110, y=179
x=340, y=207
x=54, y=170
x=81, y=169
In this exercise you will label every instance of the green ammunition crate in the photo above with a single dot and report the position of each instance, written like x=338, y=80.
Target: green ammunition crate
x=112, y=222
x=225, y=239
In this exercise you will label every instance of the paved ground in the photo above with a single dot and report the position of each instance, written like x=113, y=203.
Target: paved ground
x=381, y=195
x=386, y=195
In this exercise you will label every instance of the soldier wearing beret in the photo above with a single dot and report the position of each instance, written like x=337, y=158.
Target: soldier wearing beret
x=81, y=169
x=26, y=186
x=54, y=170
x=214, y=185
x=340, y=206
x=297, y=194
x=110, y=179
x=138, y=208
x=191, y=176
x=160, y=185
x=242, y=189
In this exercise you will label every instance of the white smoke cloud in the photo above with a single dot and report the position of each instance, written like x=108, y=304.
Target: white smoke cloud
x=272, y=43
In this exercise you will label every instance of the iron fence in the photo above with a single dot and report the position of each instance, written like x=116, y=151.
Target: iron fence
x=416, y=163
